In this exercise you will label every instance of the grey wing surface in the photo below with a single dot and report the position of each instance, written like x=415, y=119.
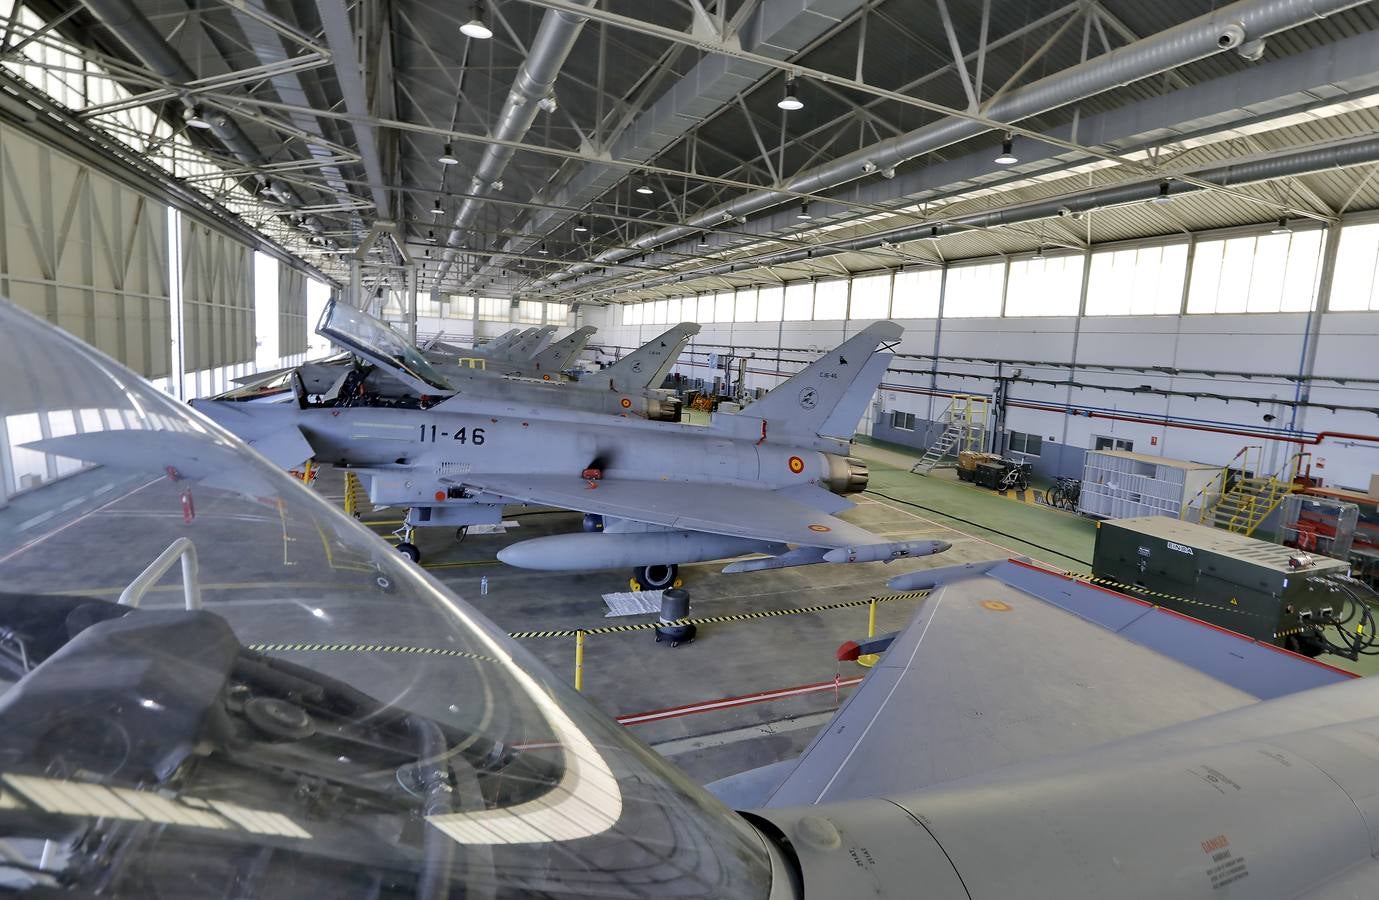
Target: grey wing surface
x=718, y=509
x=1019, y=664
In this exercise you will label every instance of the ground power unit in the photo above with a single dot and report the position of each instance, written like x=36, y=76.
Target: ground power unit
x=1267, y=592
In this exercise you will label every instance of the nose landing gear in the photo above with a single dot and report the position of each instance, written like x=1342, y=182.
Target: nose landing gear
x=405, y=545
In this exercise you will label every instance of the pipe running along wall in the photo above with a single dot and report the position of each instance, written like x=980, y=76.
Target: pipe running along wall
x=1224, y=29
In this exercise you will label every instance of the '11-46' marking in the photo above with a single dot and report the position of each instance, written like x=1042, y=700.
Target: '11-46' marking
x=428, y=433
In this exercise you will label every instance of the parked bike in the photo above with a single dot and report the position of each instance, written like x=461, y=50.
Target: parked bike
x=1064, y=493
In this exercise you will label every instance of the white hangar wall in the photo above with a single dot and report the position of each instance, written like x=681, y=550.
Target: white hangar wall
x=1170, y=406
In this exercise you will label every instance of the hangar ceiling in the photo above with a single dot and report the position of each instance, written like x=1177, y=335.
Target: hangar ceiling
x=614, y=149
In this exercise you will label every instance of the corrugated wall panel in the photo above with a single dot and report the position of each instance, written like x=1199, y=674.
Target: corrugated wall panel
x=292, y=323
x=84, y=252
x=217, y=299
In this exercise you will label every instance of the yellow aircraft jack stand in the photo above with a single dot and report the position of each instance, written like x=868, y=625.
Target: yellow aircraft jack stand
x=868, y=660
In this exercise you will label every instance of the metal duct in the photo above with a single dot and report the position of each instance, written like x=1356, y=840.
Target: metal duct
x=137, y=33
x=776, y=28
x=267, y=45
x=532, y=84
x=1224, y=29
x=1300, y=162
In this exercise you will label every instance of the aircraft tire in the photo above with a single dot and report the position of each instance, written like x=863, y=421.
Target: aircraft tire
x=657, y=578
x=410, y=551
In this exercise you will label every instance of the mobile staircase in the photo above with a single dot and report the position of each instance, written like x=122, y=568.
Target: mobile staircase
x=965, y=428
x=1242, y=496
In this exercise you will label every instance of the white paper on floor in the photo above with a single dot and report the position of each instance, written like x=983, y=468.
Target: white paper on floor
x=493, y=529
x=632, y=603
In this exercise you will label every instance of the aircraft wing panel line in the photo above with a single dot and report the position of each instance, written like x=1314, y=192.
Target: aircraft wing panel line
x=881, y=708
x=950, y=711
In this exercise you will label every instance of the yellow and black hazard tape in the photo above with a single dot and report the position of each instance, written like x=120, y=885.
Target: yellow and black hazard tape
x=718, y=620
x=368, y=648
x=1138, y=591
x=1159, y=595
x=572, y=632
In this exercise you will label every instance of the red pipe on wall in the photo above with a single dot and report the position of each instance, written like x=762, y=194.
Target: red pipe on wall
x=1117, y=417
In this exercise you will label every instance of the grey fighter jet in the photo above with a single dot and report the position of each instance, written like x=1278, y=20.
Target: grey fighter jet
x=549, y=364
x=769, y=480
x=456, y=365
x=401, y=374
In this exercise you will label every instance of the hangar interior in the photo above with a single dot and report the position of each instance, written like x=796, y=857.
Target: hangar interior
x=1133, y=248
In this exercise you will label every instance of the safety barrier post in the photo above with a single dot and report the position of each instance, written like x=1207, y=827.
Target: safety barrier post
x=869, y=659
x=579, y=660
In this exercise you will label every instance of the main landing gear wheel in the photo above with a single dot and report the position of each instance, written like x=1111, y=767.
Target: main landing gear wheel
x=410, y=551
x=655, y=578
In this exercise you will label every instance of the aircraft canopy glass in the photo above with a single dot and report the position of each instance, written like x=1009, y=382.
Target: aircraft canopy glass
x=373, y=340
x=214, y=683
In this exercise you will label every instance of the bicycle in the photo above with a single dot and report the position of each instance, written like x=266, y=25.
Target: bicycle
x=1016, y=478
x=1064, y=493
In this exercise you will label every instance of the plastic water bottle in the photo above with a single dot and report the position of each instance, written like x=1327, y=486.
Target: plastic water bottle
x=483, y=586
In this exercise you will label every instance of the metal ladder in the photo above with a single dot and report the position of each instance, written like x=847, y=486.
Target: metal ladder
x=965, y=421
x=1243, y=506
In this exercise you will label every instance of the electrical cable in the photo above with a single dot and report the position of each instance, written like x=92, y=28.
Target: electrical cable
x=1026, y=541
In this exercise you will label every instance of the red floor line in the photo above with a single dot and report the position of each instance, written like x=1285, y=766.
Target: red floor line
x=730, y=702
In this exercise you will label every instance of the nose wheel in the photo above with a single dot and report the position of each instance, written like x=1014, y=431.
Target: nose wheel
x=405, y=545
x=655, y=578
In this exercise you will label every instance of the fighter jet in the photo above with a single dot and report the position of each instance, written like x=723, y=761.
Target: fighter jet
x=766, y=481
x=321, y=731
x=396, y=373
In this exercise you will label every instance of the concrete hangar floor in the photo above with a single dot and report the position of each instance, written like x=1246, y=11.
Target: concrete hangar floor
x=703, y=698
x=753, y=688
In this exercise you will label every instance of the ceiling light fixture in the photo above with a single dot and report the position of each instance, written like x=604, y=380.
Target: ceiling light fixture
x=1007, y=157
x=791, y=101
x=1162, y=196
x=644, y=188
x=804, y=211
x=703, y=238
x=543, y=251
x=431, y=236
x=1282, y=227
x=580, y=227
x=447, y=157
x=476, y=27
x=193, y=116
x=437, y=208
x=933, y=233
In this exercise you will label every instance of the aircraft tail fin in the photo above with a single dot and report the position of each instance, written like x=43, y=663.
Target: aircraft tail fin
x=529, y=343
x=647, y=365
x=558, y=356
x=498, y=343
x=829, y=396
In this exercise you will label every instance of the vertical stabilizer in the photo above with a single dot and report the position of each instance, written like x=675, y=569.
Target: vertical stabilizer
x=830, y=394
x=647, y=365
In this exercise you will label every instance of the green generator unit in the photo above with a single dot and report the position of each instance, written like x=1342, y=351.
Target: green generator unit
x=1273, y=594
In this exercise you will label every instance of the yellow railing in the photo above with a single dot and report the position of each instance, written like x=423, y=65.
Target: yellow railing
x=1242, y=506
